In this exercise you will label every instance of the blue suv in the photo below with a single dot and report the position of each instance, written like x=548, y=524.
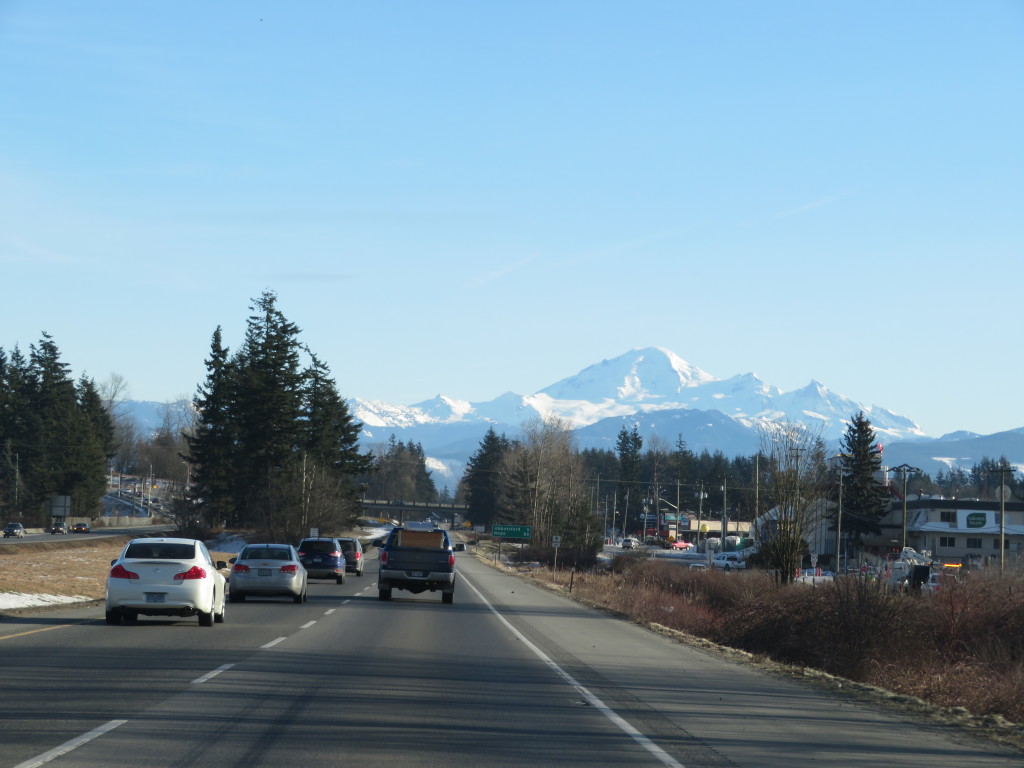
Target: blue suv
x=323, y=558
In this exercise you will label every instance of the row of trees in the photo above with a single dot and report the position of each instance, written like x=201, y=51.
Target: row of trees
x=399, y=472
x=628, y=482
x=793, y=484
x=541, y=480
x=56, y=435
x=274, y=446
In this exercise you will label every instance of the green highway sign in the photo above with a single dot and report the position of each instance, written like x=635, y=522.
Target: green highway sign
x=512, y=531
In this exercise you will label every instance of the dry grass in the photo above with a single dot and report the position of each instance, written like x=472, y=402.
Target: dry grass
x=76, y=568
x=957, y=656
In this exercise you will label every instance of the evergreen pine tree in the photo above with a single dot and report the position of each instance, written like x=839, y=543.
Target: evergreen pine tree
x=628, y=446
x=211, y=446
x=482, y=481
x=863, y=498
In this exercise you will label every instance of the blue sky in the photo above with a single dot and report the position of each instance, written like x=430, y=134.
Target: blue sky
x=467, y=198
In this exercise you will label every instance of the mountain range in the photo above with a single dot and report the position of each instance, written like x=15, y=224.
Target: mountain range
x=663, y=395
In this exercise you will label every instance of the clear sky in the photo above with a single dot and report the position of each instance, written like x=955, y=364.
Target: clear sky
x=467, y=198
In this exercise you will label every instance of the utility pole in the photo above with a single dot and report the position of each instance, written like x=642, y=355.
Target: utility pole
x=1003, y=488
x=725, y=510
x=905, y=469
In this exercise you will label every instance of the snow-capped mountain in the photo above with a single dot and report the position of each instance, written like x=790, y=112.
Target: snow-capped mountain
x=652, y=387
x=645, y=381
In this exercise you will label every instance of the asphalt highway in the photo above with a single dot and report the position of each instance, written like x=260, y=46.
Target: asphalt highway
x=509, y=675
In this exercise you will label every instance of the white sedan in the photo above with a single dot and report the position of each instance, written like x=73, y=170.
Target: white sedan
x=165, y=577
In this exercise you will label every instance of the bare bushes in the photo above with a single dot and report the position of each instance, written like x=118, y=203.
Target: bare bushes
x=962, y=646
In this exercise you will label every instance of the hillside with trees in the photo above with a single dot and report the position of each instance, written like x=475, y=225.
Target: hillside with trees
x=56, y=436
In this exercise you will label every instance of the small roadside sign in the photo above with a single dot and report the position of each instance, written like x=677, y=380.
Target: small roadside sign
x=314, y=533
x=556, y=541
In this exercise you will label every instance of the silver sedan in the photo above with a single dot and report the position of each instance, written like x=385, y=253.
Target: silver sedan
x=267, y=570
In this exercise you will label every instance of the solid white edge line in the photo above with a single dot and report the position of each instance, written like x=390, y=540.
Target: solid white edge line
x=67, y=746
x=591, y=699
x=272, y=643
x=210, y=675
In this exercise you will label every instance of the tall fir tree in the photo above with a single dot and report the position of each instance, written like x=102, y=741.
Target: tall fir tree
x=211, y=445
x=863, y=498
x=482, y=481
x=629, y=446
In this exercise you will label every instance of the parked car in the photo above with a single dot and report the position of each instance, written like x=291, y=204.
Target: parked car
x=80, y=528
x=728, y=561
x=61, y=528
x=166, y=577
x=15, y=530
x=352, y=549
x=323, y=558
x=698, y=566
x=459, y=546
x=630, y=543
x=681, y=544
x=268, y=570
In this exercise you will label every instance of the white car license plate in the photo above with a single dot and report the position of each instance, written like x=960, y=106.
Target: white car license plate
x=316, y=559
x=263, y=571
x=156, y=597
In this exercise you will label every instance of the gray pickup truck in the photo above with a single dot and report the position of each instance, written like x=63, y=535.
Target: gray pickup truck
x=417, y=557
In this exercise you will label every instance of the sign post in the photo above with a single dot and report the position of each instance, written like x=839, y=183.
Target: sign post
x=555, y=542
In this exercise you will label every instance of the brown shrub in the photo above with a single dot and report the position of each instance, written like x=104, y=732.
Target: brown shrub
x=960, y=647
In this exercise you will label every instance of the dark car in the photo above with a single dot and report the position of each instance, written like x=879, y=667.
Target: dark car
x=61, y=528
x=352, y=549
x=323, y=558
x=15, y=530
x=80, y=528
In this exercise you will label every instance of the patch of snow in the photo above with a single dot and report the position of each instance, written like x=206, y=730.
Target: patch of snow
x=10, y=600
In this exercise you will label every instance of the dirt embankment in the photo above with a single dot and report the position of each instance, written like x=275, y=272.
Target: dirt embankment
x=73, y=568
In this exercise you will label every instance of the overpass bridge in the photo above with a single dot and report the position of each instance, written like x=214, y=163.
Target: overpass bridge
x=390, y=509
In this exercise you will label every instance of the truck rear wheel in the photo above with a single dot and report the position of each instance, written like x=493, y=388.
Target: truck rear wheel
x=384, y=594
x=447, y=597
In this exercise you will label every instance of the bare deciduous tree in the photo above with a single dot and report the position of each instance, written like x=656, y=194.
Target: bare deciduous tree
x=794, y=486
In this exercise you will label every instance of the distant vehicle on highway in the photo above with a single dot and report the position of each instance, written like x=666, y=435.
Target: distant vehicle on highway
x=80, y=528
x=14, y=530
x=728, y=561
x=166, y=577
x=681, y=544
x=61, y=528
x=352, y=549
x=630, y=543
x=267, y=570
x=323, y=558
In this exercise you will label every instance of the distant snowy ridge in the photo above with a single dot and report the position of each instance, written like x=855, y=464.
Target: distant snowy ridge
x=642, y=381
x=662, y=395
